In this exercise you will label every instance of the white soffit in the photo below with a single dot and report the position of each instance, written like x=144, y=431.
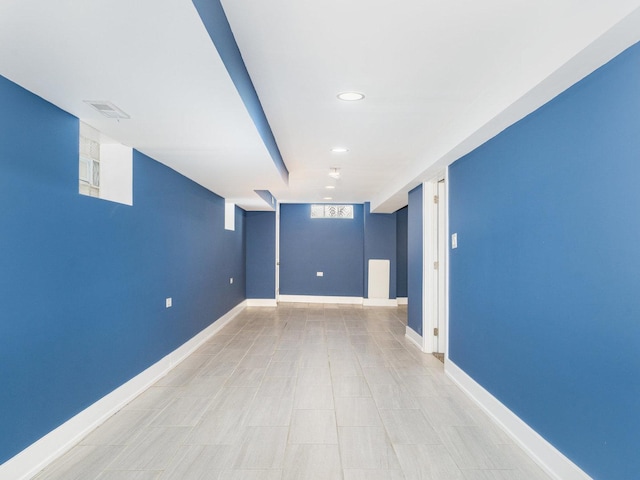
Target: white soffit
x=155, y=61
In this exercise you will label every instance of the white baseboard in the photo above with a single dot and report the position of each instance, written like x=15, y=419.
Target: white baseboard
x=320, y=299
x=367, y=302
x=41, y=453
x=261, y=302
x=402, y=301
x=379, y=302
x=552, y=461
x=414, y=337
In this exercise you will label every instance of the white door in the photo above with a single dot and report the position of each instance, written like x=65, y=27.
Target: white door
x=441, y=284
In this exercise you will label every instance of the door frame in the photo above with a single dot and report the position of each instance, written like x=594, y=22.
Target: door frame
x=435, y=282
x=277, y=292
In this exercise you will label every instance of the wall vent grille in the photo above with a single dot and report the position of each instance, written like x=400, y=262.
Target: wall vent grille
x=108, y=109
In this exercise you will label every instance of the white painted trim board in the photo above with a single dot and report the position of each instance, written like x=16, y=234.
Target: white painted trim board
x=414, y=337
x=320, y=299
x=367, y=302
x=262, y=302
x=41, y=453
x=551, y=460
x=379, y=302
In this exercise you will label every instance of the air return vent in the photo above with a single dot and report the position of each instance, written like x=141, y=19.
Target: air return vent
x=107, y=109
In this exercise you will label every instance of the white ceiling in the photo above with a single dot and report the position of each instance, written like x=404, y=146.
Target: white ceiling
x=440, y=77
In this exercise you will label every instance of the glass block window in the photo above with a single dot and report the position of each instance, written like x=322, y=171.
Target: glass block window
x=89, y=164
x=317, y=211
x=332, y=211
x=105, y=167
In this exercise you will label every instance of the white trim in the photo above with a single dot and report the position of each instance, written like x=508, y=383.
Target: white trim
x=41, y=453
x=542, y=452
x=443, y=248
x=261, y=302
x=320, y=299
x=379, y=302
x=429, y=274
x=229, y=215
x=277, y=292
x=448, y=263
x=402, y=301
x=414, y=337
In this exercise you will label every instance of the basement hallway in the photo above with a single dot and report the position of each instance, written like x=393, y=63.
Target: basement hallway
x=304, y=392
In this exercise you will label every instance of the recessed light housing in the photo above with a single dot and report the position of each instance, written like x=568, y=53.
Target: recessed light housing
x=339, y=150
x=350, y=96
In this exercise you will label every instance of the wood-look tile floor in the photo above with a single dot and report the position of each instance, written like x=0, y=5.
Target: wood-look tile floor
x=301, y=392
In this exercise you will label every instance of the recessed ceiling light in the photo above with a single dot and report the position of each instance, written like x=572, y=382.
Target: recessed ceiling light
x=350, y=96
x=328, y=198
x=329, y=187
x=339, y=150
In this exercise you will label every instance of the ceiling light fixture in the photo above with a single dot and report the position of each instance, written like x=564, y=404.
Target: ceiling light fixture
x=328, y=198
x=334, y=172
x=350, y=96
x=339, y=150
x=329, y=187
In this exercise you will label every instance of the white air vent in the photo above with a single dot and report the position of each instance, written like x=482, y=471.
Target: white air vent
x=107, y=109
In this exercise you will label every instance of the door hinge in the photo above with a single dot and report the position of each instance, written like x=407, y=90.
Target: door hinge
x=435, y=332
x=436, y=265
x=436, y=199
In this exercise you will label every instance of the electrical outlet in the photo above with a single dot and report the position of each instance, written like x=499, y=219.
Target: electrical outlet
x=319, y=274
x=168, y=302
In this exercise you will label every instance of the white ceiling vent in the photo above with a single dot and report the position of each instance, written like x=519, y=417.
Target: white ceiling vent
x=107, y=109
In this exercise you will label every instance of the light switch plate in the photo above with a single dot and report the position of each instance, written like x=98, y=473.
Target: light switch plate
x=231, y=281
x=319, y=274
x=454, y=240
x=168, y=302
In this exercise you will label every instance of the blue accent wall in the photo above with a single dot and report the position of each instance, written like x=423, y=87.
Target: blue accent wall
x=332, y=246
x=261, y=254
x=402, y=261
x=545, y=282
x=83, y=281
x=215, y=21
x=268, y=198
x=379, y=244
x=416, y=255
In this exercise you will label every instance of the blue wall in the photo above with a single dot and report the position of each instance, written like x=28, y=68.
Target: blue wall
x=261, y=254
x=215, y=21
x=416, y=255
x=544, y=303
x=402, y=261
x=83, y=281
x=379, y=244
x=332, y=246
